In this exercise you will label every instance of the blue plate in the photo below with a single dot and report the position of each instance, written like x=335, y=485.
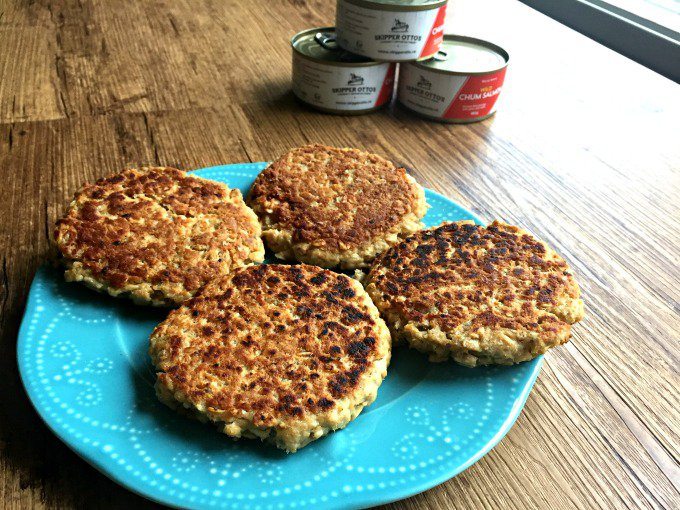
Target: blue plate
x=83, y=360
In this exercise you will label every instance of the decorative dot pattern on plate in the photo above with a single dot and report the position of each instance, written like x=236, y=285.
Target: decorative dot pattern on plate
x=83, y=359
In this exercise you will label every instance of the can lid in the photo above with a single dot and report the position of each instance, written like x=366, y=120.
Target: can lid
x=467, y=55
x=319, y=44
x=400, y=5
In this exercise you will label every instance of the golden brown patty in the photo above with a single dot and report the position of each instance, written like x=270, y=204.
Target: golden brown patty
x=480, y=295
x=283, y=353
x=330, y=207
x=156, y=234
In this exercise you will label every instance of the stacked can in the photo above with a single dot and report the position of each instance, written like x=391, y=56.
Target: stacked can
x=351, y=68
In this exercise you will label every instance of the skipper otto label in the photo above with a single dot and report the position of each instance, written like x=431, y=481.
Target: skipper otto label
x=461, y=83
x=449, y=97
x=342, y=88
x=384, y=34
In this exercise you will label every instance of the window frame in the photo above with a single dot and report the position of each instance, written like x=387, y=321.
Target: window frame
x=639, y=39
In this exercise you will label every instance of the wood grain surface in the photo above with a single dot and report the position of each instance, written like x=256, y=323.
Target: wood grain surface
x=584, y=152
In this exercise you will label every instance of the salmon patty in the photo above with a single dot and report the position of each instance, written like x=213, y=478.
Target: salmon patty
x=335, y=207
x=282, y=353
x=479, y=295
x=156, y=235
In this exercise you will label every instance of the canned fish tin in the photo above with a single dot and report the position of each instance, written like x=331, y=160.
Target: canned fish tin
x=391, y=30
x=461, y=83
x=333, y=80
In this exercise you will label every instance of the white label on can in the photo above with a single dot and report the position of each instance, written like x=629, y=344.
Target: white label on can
x=427, y=92
x=449, y=96
x=342, y=87
x=389, y=35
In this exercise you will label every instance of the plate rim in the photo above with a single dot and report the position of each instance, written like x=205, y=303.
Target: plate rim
x=358, y=502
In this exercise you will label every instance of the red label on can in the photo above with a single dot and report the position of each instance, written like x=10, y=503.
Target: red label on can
x=386, y=90
x=436, y=35
x=477, y=97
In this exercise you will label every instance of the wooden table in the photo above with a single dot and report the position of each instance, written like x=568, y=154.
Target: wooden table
x=584, y=152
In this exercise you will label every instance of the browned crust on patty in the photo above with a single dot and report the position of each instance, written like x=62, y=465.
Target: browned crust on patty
x=477, y=294
x=335, y=201
x=156, y=234
x=293, y=350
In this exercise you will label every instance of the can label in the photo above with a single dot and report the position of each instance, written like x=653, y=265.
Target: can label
x=342, y=88
x=389, y=35
x=449, y=96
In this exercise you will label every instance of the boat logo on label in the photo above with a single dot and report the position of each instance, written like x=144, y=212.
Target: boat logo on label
x=399, y=26
x=424, y=83
x=355, y=80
